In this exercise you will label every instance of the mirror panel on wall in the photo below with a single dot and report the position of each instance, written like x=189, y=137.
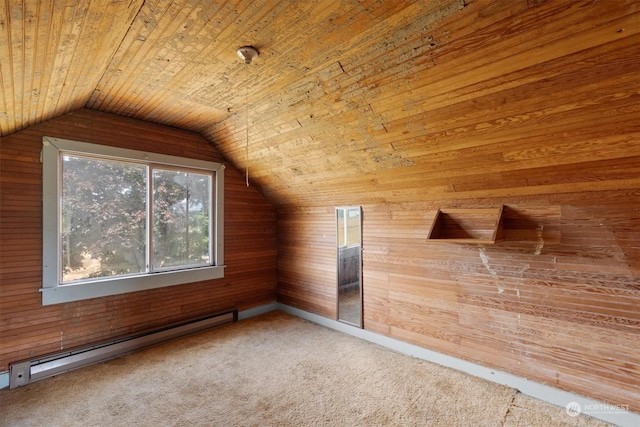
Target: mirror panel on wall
x=349, y=233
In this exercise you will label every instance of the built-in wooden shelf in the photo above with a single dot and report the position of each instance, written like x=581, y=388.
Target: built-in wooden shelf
x=481, y=226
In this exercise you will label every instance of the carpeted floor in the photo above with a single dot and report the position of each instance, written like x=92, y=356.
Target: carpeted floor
x=273, y=370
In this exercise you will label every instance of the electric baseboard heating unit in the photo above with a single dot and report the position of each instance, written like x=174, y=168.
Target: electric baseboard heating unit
x=27, y=371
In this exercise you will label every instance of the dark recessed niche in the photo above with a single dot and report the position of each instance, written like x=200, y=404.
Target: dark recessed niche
x=467, y=225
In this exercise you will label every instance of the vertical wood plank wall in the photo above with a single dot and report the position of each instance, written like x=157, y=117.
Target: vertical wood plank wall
x=28, y=329
x=556, y=301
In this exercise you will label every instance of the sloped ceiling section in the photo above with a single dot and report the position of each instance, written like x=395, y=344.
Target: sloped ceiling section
x=53, y=54
x=350, y=102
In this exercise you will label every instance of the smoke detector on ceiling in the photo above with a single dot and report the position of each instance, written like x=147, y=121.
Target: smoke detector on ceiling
x=247, y=54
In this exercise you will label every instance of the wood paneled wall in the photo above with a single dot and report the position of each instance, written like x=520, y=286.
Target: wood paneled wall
x=28, y=329
x=556, y=301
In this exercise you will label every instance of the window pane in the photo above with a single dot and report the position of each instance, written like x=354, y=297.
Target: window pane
x=181, y=205
x=353, y=226
x=103, y=218
x=341, y=228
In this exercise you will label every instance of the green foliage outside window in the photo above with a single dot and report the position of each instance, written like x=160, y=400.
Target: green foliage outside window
x=104, y=218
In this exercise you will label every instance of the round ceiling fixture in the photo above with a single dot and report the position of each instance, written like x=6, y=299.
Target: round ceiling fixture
x=247, y=53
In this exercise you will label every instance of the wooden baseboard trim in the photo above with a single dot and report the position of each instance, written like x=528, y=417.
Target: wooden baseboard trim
x=257, y=311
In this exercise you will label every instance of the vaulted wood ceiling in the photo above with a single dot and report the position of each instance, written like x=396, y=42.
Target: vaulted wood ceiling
x=350, y=101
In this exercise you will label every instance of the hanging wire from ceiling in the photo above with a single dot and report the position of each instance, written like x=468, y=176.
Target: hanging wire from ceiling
x=247, y=54
x=246, y=127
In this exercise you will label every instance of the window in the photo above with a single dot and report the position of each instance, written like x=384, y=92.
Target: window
x=348, y=226
x=119, y=220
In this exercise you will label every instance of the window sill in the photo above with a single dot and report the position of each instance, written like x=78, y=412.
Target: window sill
x=120, y=285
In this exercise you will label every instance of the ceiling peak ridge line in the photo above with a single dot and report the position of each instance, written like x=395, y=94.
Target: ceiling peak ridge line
x=149, y=110
x=114, y=53
x=148, y=18
x=83, y=12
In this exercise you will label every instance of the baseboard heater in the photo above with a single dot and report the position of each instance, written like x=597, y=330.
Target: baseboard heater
x=27, y=371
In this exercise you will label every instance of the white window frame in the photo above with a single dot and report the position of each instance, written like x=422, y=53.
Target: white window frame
x=53, y=291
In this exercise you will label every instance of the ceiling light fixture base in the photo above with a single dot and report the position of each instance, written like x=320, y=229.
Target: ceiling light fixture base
x=247, y=54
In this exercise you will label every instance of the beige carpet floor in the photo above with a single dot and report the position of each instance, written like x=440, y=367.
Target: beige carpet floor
x=273, y=370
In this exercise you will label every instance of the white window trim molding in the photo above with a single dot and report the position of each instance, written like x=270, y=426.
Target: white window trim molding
x=52, y=291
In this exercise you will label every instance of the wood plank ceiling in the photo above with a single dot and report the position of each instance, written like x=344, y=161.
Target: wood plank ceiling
x=350, y=101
